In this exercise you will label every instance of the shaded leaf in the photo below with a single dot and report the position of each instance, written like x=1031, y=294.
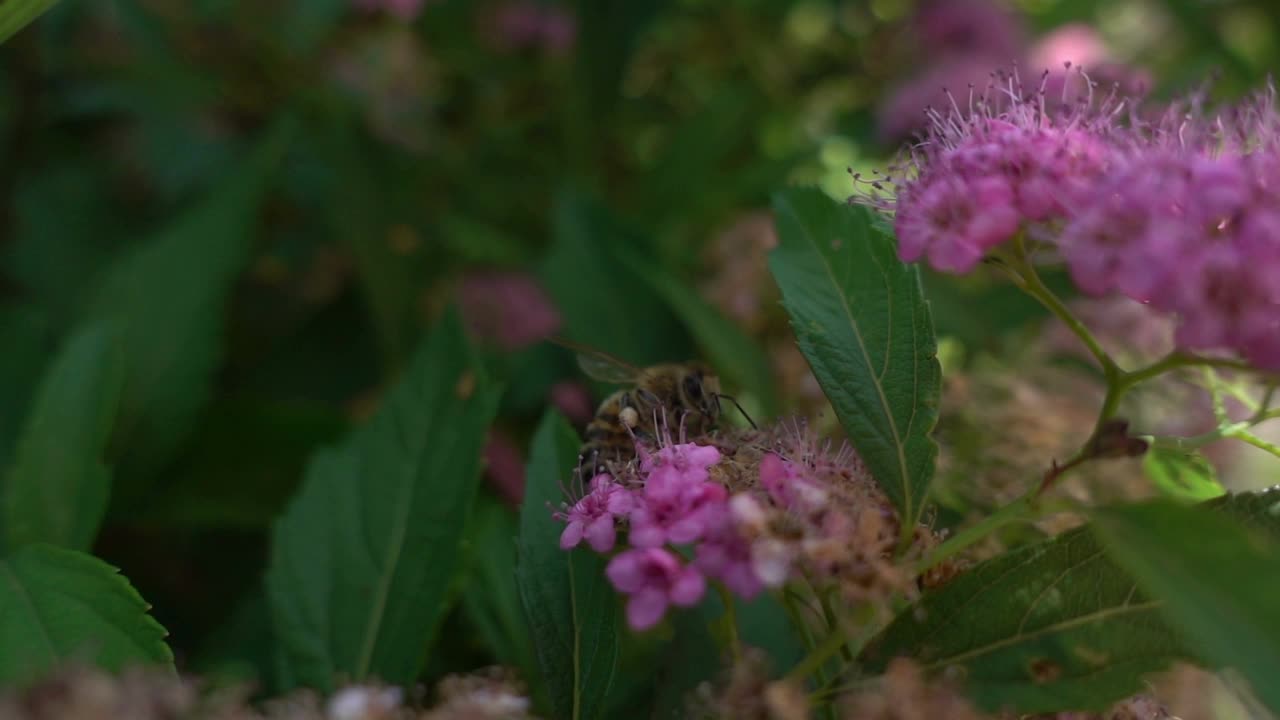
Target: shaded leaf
x=363, y=558
x=29, y=340
x=16, y=14
x=57, y=487
x=492, y=599
x=167, y=296
x=1053, y=626
x=691, y=658
x=60, y=605
x=1182, y=475
x=603, y=302
x=861, y=320
x=1046, y=627
x=728, y=348
x=570, y=606
x=1218, y=580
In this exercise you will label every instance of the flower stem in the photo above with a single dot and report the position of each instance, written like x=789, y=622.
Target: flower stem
x=1029, y=280
x=730, y=621
x=1022, y=509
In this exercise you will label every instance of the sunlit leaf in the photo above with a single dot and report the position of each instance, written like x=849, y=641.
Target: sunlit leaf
x=861, y=319
x=60, y=605
x=1181, y=475
x=362, y=560
x=571, y=608
x=57, y=487
x=16, y=14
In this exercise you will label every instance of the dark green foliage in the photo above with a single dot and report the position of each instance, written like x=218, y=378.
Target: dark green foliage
x=862, y=321
x=1216, y=576
x=362, y=560
x=56, y=490
x=60, y=606
x=571, y=608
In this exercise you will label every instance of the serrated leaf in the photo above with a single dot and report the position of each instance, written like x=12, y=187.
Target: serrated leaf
x=1217, y=579
x=167, y=297
x=1053, y=626
x=57, y=487
x=571, y=609
x=1047, y=627
x=728, y=348
x=861, y=319
x=60, y=605
x=363, y=558
x=1181, y=475
x=17, y=14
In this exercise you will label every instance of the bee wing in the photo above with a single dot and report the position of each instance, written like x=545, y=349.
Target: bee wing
x=600, y=365
x=604, y=368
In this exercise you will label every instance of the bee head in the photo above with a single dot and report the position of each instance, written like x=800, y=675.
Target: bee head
x=701, y=391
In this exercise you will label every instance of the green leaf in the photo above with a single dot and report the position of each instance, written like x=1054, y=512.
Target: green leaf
x=603, y=302
x=363, y=558
x=16, y=14
x=729, y=349
x=1182, y=475
x=1053, y=626
x=691, y=658
x=57, y=487
x=861, y=319
x=1047, y=627
x=492, y=598
x=29, y=343
x=60, y=605
x=167, y=295
x=569, y=604
x=1218, y=580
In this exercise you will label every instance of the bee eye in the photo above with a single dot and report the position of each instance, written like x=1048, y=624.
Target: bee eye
x=693, y=387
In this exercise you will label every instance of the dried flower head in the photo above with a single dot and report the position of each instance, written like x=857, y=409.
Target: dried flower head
x=489, y=694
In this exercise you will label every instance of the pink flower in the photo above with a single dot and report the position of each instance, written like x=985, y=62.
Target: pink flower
x=504, y=466
x=655, y=579
x=727, y=556
x=405, y=10
x=788, y=487
x=678, y=503
x=593, y=516
x=574, y=400
x=683, y=464
x=520, y=24
x=981, y=175
x=507, y=308
x=677, y=513
x=969, y=27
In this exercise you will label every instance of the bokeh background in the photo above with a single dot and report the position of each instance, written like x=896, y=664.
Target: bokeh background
x=330, y=176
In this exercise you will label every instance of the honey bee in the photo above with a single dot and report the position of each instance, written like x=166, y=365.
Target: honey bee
x=672, y=397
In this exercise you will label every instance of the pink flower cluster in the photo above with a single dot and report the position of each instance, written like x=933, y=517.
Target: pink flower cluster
x=1181, y=212
x=741, y=514
x=674, y=503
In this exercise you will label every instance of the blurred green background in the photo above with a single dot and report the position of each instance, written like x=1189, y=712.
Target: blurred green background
x=284, y=195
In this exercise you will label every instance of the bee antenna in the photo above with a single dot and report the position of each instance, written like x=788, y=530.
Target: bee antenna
x=738, y=405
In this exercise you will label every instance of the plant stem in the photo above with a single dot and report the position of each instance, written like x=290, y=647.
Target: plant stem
x=818, y=656
x=731, y=621
x=1022, y=509
x=1031, y=283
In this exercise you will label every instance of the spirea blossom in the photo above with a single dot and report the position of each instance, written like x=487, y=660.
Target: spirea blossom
x=1178, y=210
x=594, y=516
x=746, y=509
x=653, y=579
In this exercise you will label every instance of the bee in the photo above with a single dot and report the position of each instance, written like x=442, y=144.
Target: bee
x=683, y=397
